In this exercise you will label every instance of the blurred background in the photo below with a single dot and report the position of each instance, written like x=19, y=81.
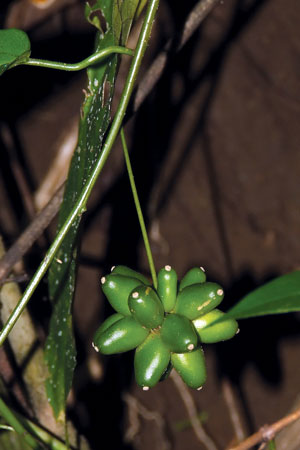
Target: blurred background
x=215, y=153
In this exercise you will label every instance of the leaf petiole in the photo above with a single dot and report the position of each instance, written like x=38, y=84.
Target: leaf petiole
x=91, y=60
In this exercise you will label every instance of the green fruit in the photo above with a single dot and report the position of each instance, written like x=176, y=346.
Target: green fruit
x=198, y=299
x=178, y=334
x=167, y=287
x=218, y=332
x=124, y=270
x=117, y=289
x=109, y=321
x=193, y=276
x=150, y=361
x=146, y=307
x=191, y=367
x=123, y=335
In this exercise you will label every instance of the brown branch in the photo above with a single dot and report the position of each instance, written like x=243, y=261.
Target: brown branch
x=31, y=234
x=153, y=74
x=268, y=432
x=41, y=222
x=190, y=406
x=234, y=410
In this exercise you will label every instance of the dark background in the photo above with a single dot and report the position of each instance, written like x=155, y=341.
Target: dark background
x=215, y=152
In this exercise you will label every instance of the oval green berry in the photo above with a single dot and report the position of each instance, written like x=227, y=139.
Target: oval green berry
x=117, y=289
x=178, y=334
x=125, y=334
x=110, y=321
x=196, y=275
x=167, y=287
x=150, y=361
x=126, y=271
x=219, y=332
x=145, y=305
x=198, y=299
x=191, y=367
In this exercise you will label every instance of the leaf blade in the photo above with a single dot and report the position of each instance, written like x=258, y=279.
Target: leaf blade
x=281, y=295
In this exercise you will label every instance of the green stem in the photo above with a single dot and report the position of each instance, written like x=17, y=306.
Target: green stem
x=271, y=445
x=138, y=209
x=95, y=58
x=10, y=418
x=80, y=205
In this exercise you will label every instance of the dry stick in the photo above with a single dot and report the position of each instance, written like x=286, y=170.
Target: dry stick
x=268, y=432
x=189, y=403
x=41, y=222
x=30, y=235
x=153, y=74
x=231, y=402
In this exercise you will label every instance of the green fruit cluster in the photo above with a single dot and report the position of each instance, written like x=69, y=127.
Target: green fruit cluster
x=166, y=325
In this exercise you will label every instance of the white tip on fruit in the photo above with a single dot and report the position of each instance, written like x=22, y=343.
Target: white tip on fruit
x=220, y=292
x=112, y=268
x=191, y=347
x=103, y=279
x=135, y=294
x=202, y=268
x=168, y=268
x=95, y=347
x=199, y=388
x=146, y=388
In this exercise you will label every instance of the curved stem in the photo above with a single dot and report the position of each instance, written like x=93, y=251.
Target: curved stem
x=95, y=58
x=17, y=426
x=139, y=209
x=80, y=205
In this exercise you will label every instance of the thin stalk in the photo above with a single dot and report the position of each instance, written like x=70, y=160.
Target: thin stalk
x=13, y=421
x=80, y=205
x=139, y=209
x=95, y=58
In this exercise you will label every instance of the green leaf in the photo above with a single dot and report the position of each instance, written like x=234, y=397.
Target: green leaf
x=281, y=295
x=14, y=48
x=95, y=119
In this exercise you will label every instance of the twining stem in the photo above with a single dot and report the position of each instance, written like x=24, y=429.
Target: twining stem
x=95, y=58
x=139, y=209
x=80, y=205
x=13, y=421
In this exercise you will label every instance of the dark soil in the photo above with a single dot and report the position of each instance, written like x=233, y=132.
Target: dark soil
x=215, y=150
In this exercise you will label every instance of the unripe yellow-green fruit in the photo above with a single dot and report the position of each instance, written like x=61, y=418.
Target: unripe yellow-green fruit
x=196, y=275
x=219, y=332
x=126, y=271
x=109, y=321
x=191, y=367
x=167, y=287
x=145, y=305
x=123, y=335
x=150, y=361
x=178, y=333
x=198, y=299
x=117, y=289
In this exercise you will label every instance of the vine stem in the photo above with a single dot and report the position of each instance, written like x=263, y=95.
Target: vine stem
x=80, y=205
x=89, y=61
x=17, y=426
x=138, y=209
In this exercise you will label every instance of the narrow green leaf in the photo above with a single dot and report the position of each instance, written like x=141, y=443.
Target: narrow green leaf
x=281, y=295
x=95, y=119
x=14, y=48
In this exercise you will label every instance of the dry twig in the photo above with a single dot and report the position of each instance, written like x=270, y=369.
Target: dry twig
x=268, y=432
x=234, y=414
x=189, y=403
